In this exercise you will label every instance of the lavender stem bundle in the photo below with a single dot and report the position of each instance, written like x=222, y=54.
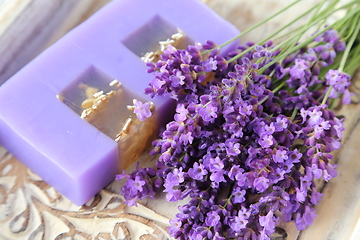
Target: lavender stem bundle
x=252, y=130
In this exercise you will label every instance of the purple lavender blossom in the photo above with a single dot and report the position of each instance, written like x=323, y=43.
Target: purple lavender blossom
x=136, y=185
x=232, y=148
x=340, y=82
x=177, y=79
x=280, y=156
x=186, y=138
x=347, y=97
x=208, y=112
x=197, y=172
x=234, y=134
x=212, y=219
x=142, y=110
x=305, y=219
x=268, y=222
x=298, y=70
x=181, y=113
x=266, y=141
x=210, y=65
x=238, y=195
x=174, y=178
x=261, y=184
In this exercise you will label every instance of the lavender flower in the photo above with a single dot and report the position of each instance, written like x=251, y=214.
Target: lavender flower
x=142, y=110
x=235, y=135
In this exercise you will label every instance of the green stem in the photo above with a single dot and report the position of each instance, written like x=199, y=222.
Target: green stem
x=319, y=18
x=293, y=115
x=349, y=46
x=303, y=44
x=228, y=200
x=272, y=35
x=295, y=48
x=289, y=24
x=345, y=28
x=291, y=50
x=287, y=33
x=354, y=60
x=345, y=56
x=252, y=28
x=295, y=39
x=327, y=95
x=315, y=18
x=241, y=54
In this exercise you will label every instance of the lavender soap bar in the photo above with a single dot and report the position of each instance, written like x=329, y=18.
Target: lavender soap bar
x=64, y=115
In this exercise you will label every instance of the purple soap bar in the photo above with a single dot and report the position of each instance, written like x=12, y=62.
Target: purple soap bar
x=42, y=119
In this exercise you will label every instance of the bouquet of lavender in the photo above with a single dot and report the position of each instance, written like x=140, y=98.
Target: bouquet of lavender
x=252, y=131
